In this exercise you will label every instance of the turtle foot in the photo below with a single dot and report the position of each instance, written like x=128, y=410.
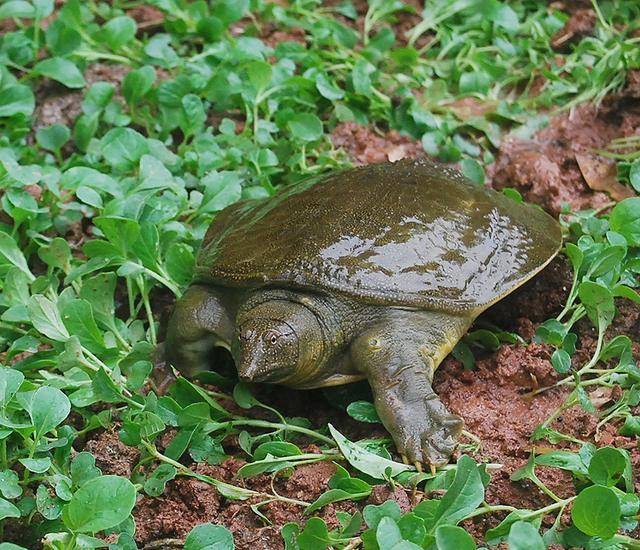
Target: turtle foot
x=425, y=432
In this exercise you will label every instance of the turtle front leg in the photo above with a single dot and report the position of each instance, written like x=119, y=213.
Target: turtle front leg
x=201, y=320
x=399, y=357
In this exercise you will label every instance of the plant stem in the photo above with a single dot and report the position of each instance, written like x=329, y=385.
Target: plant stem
x=488, y=509
x=147, y=307
x=223, y=487
x=276, y=426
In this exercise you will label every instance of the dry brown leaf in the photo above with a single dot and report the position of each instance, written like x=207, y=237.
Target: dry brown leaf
x=581, y=23
x=602, y=175
x=397, y=153
x=600, y=396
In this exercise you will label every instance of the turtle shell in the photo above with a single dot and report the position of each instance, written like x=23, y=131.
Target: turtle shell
x=412, y=234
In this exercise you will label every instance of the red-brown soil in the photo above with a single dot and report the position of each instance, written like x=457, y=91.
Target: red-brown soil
x=545, y=169
x=366, y=145
x=57, y=105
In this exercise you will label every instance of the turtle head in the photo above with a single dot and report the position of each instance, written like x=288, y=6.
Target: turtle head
x=278, y=341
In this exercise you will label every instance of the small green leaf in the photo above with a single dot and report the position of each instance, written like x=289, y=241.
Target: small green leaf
x=607, y=466
x=46, y=319
x=193, y=113
x=17, y=9
x=83, y=469
x=275, y=448
x=230, y=11
x=366, y=461
x=259, y=73
x=10, y=251
x=327, y=88
x=97, y=98
x=314, y=536
x=373, y=514
x=8, y=510
x=451, y=537
x=56, y=254
x=625, y=219
x=49, y=505
x=123, y=147
x=598, y=301
x=562, y=459
x=499, y=533
x=474, y=82
x=179, y=261
x=305, y=127
x=561, y=361
x=77, y=316
x=10, y=381
x=524, y=536
x=85, y=128
x=48, y=408
x=462, y=352
x=209, y=537
x=596, y=512
x=155, y=484
x=364, y=411
x=631, y=426
x=36, y=465
x=101, y=503
x=576, y=256
x=138, y=83
x=16, y=99
x=335, y=495
x=61, y=70
x=463, y=496
x=10, y=484
x=220, y=190
x=118, y=31
x=53, y=137
x=388, y=533
x=473, y=170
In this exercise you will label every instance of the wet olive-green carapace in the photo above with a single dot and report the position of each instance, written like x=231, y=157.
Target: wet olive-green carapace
x=373, y=273
x=408, y=233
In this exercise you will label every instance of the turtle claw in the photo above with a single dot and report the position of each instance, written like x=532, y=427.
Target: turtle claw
x=432, y=467
x=425, y=433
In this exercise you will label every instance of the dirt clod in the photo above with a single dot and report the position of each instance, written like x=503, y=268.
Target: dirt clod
x=382, y=493
x=545, y=169
x=580, y=24
x=365, y=146
x=112, y=455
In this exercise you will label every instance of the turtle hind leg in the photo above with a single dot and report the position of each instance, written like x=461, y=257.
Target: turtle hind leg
x=201, y=321
x=399, y=356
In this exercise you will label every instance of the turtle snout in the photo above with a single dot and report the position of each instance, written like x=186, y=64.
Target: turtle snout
x=253, y=365
x=249, y=371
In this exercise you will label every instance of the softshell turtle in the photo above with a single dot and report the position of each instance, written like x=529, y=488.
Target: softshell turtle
x=374, y=272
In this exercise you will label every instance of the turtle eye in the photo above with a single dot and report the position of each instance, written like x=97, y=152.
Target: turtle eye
x=272, y=337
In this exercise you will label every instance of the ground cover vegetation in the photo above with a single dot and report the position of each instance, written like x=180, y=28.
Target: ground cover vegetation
x=126, y=126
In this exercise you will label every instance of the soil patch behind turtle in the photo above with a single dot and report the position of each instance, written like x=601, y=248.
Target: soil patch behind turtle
x=365, y=145
x=560, y=167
